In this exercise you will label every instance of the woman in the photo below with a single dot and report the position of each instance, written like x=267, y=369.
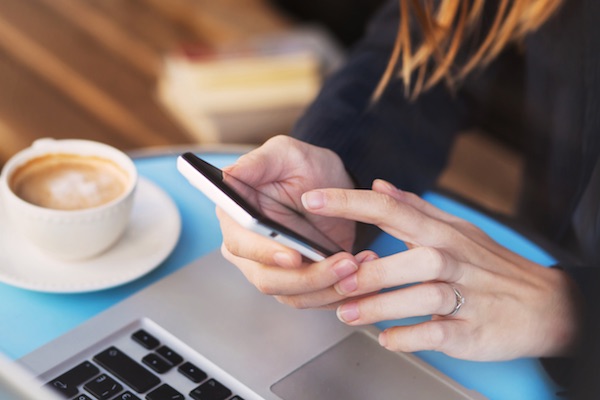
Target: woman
x=526, y=70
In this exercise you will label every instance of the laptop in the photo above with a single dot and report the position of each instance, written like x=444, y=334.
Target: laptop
x=204, y=332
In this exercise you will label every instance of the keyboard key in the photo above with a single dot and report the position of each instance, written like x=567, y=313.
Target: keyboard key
x=236, y=398
x=210, y=390
x=169, y=355
x=67, y=383
x=126, y=396
x=157, y=363
x=145, y=339
x=164, y=392
x=192, y=372
x=103, y=387
x=82, y=397
x=126, y=369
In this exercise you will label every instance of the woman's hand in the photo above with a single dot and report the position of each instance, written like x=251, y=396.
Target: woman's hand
x=512, y=307
x=285, y=168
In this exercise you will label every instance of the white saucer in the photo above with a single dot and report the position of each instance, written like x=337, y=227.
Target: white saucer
x=151, y=236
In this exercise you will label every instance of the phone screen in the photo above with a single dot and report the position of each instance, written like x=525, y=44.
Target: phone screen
x=281, y=218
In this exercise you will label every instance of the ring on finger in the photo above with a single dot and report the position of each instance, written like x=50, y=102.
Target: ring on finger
x=460, y=300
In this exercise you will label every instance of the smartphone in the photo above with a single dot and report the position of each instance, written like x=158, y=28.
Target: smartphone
x=257, y=211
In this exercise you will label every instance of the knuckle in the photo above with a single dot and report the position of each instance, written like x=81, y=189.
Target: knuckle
x=272, y=142
x=435, y=336
x=435, y=260
x=230, y=245
x=412, y=198
x=466, y=226
x=265, y=286
x=378, y=275
x=436, y=295
x=309, y=281
x=297, y=302
x=389, y=204
x=340, y=197
x=279, y=140
x=386, y=208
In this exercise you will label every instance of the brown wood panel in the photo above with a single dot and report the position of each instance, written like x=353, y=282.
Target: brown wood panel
x=30, y=108
x=104, y=83
x=140, y=54
x=484, y=171
x=146, y=24
x=89, y=68
x=224, y=20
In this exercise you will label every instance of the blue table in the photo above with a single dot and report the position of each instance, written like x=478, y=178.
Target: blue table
x=31, y=319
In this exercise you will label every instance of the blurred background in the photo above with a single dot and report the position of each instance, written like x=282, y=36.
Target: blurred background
x=146, y=73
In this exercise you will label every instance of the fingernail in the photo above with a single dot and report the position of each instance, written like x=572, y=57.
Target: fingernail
x=344, y=267
x=313, y=200
x=347, y=285
x=348, y=312
x=383, y=339
x=283, y=260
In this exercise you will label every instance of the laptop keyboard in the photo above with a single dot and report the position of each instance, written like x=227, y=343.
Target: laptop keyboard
x=112, y=374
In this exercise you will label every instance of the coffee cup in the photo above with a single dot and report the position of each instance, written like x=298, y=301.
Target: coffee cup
x=71, y=198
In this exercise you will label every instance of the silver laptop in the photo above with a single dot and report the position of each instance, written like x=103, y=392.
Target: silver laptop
x=204, y=332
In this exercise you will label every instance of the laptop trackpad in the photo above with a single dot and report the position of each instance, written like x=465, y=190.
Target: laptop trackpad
x=358, y=368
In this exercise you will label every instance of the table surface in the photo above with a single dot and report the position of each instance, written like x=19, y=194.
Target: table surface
x=40, y=317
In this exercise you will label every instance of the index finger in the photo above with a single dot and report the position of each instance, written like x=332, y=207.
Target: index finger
x=395, y=217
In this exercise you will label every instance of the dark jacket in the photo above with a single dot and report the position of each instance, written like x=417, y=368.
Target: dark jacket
x=542, y=97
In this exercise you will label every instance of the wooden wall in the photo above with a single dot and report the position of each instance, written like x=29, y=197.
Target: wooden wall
x=88, y=68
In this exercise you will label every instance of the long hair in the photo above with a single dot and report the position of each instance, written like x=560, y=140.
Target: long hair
x=445, y=28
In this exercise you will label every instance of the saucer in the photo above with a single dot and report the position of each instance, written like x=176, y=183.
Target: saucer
x=150, y=237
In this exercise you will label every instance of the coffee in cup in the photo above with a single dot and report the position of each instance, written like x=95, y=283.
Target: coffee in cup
x=71, y=198
x=68, y=181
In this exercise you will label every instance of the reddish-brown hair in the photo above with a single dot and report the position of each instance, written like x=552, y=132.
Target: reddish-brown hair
x=445, y=28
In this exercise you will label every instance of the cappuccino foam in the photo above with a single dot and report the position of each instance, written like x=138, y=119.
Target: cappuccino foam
x=69, y=182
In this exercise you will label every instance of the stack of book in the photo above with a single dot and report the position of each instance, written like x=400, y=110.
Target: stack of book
x=247, y=92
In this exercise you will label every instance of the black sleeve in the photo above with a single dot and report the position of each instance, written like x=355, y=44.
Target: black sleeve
x=585, y=383
x=404, y=142
x=578, y=373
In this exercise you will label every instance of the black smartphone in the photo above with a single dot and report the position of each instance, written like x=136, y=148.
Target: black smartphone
x=257, y=211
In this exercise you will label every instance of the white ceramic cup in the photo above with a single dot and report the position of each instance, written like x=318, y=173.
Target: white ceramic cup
x=72, y=234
